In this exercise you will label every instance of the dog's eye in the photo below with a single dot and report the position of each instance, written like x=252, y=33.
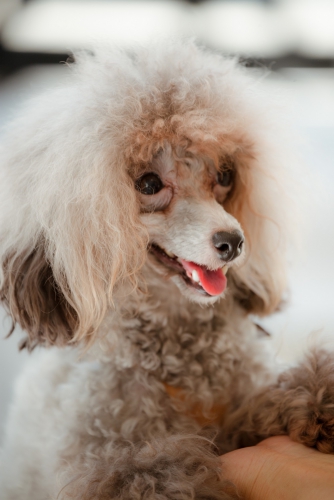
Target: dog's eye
x=225, y=178
x=149, y=184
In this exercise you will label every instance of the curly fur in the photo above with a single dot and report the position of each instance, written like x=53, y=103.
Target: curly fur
x=157, y=378
x=300, y=404
x=170, y=468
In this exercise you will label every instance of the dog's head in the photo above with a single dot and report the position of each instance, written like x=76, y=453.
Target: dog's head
x=163, y=159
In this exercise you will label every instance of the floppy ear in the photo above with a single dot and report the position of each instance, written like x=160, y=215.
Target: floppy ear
x=69, y=220
x=35, y=301
x=261, y=205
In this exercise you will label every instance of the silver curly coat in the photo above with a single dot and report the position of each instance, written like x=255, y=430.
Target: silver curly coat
x=147, y=378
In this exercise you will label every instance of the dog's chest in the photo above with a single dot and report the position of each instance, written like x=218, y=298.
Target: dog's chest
x=198, y=349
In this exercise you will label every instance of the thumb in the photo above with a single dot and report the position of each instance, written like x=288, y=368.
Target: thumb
x=242, y=467
x=257, y=473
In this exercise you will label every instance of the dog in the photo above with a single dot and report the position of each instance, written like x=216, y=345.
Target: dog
x=143, y=223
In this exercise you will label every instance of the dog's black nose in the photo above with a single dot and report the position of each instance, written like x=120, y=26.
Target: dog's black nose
x=229, y=245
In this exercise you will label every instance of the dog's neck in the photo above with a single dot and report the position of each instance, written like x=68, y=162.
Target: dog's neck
x=159, y=301
x=159, y=313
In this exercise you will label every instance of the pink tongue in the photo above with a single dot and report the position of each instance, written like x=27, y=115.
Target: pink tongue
x=213, y=282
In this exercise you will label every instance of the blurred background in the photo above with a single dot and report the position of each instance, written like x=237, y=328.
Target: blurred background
x=293, y=38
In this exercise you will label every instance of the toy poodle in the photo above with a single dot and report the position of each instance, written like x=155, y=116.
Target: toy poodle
x=143, y=213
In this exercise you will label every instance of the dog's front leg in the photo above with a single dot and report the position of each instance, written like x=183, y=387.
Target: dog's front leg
x=300, y=404
x=171, y=468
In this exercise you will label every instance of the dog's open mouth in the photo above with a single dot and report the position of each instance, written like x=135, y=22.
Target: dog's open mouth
x=195, y=275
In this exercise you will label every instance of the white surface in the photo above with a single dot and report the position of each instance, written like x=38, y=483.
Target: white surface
x=309, y=98
x=58, y=26
x=248, y=27
x=7, y=7
x=311, y=24
x=245, y=27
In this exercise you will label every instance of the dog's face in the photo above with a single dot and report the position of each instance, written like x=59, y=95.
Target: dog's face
x=193, y=240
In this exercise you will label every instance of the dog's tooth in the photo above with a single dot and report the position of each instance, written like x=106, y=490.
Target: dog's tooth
x=170, y=254
x=225, y=269
x=194, y=276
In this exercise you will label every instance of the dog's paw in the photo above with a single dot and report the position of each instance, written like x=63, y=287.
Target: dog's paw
x=309, y=413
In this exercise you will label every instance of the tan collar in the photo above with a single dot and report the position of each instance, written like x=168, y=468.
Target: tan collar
x=196, y=410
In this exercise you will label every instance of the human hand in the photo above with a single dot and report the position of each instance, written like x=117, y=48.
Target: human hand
x=280, y=469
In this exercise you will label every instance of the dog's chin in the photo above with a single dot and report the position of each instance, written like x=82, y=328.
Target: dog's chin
x=193, y=294
x=170, y=268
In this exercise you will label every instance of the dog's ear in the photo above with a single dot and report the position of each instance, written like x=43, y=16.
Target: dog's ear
x=70, y=231
x=60, y=288
x=261, y=206
x=34, y=300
